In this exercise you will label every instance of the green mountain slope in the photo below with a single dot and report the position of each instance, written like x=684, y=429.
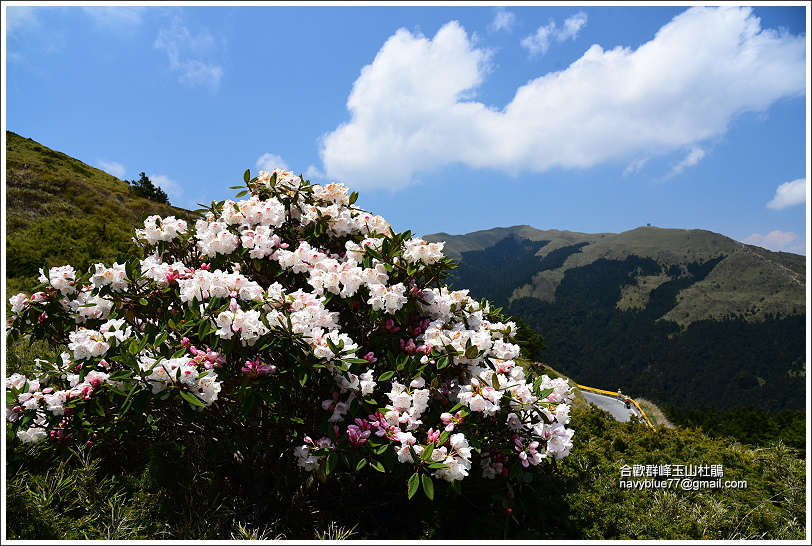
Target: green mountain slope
x=684, y=317
x=749, y=280
x=60, y=211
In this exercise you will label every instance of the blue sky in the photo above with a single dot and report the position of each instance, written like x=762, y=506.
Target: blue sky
x=454, y=118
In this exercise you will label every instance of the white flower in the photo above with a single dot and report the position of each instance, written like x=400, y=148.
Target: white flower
x=32, y=435
x=514, y=422
x=562, y=413
x=246, y=323
x=115, y=328
x=87, y=344
x=61, y=278
x=158, y=229
x=18, y=303
x=15, y=381
x=367, y=383
x=419, y=250
x=458, y=459
x=115, y=276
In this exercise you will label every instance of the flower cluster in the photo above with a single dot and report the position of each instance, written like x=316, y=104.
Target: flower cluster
x=293, y=295
x=161, y=229
x=162, y=374
x=39, y=402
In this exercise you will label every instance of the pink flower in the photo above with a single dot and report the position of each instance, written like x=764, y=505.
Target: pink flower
x=254, y=369
x=60, y=435
x=370, y=357
x=382, y=426
x=390, y=327
x=451, y=420
x=408, y=347
x=356, y=435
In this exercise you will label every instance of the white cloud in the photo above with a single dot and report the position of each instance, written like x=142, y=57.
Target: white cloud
x=694, y=156
x=314, y=172
x=269, y=162
x=778, y=241
x=112, y=167
x=115, y=17
x=636, y=165
x=503, y=20
x=20, y=18
x=412, y=108
x=172, y=188
x=190, y=54
x=572, y=26
x=789, y=194
x=539, y=42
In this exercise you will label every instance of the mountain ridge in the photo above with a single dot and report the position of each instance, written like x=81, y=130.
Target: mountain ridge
x=778, y=277
x=681, y=317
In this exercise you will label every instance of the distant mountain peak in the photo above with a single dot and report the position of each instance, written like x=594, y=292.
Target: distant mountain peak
x=748, y=281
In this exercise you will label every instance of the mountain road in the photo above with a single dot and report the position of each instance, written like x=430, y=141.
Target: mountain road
x=611, y=404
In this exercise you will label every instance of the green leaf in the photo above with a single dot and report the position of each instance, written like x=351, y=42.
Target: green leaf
x=161, y=338
x=515, y=470
x=386, y=376
x=356, y=361
x=242, y=193
x=413, y=484
x=332, y=462
x=333, y=347
x=545, y=393
x=11, y=398
x=428, y=486
x=192, y=399
x=377, y=466
x=361, y=464
x=246, y=176
x=389, y=458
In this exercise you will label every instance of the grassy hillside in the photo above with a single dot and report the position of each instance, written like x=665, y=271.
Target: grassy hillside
x=26, y=154
x=60, y=211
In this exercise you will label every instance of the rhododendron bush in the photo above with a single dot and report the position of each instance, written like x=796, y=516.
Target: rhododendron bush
x=294, y=314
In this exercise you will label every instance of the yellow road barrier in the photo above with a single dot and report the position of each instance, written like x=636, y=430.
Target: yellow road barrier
x=614, y=394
